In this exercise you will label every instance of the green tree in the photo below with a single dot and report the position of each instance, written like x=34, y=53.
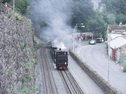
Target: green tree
x=4, y=1
x=111, y=19
x=97, y=24
x=82, y=10
x=21, y=6
x=120, y=18
x=109, y=4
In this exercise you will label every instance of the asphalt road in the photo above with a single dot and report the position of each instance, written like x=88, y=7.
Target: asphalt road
x=96, y=57
x=85, y=82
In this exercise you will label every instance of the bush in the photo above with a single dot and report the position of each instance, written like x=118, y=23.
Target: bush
x=21, y=5
x=3, y=1
x=26, y=77
x=16, y=15
x=124, y=69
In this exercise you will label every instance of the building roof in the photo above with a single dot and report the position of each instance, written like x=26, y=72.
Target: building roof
x=117, y=42
x=113, y=36
x=116, y=27
x=119, y=31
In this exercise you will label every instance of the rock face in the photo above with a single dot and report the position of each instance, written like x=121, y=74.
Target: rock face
x=16, y=59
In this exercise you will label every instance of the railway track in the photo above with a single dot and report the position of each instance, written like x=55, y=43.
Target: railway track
x=49, y=86
x=70, y=83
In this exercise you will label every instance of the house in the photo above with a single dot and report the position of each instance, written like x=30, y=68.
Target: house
x=116, y=35
x=116, y=48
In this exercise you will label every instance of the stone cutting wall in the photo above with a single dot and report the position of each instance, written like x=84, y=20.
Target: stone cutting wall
x=17, y=64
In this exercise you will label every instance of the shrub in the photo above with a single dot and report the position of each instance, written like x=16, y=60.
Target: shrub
x=21, y=5
x=28, y=65
x=26, y=77
x=16, y=15
x=3, y=1
x=25, y=90
x=124, y=69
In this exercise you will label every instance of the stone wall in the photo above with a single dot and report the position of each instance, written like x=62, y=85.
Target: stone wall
x=17, y=64
x=123, y=51
x=38, y=41
x=105, y=86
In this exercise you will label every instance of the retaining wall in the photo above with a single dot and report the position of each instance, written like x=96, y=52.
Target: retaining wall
x=16, y=53
x=104, y=85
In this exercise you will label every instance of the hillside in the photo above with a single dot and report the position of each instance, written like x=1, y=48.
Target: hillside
x=17, y=60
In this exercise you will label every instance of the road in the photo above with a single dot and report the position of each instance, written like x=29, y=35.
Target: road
x=85, y=82
x=96, y=57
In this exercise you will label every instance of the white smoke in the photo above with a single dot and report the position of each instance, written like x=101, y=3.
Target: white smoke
x=58, y=44
x=56, y=14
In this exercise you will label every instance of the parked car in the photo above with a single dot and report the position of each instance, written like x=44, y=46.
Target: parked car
x=92, y=42
x=99, y=40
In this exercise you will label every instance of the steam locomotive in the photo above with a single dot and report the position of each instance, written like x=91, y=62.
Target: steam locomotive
x=60, y=57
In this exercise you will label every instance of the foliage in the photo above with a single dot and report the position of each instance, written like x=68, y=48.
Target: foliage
x=16, y=15
x=25, y=90
x=3, y=1
x=124, y=69
x=26, y=77
x=106, y=46
x=120, y=17
x=117, y=8
x=28, y=65
x=111, y=19
x=97, y=24
x=82, y=10
x=21, y=5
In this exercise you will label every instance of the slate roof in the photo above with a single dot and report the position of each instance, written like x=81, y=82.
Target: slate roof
x=116, y=27
x=117, y=42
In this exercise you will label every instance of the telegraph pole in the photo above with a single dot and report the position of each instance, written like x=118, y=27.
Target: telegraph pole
x=13, y=5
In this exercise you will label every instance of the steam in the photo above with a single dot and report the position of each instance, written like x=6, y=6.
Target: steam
x=56, y=15
x=58, y=44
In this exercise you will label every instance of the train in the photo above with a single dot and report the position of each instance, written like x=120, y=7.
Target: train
x=60, y=57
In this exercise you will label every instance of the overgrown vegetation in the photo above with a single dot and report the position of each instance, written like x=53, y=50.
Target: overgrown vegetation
x=17, y=16
x=116, y=9
x=122, y=63
x=20, y=5
x=124, y=69
x=26, y=77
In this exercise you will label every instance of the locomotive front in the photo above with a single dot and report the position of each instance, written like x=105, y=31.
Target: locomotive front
x=59, y=55
x=61, y=59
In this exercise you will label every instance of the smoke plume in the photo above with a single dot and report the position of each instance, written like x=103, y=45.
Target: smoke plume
x=55, y=15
